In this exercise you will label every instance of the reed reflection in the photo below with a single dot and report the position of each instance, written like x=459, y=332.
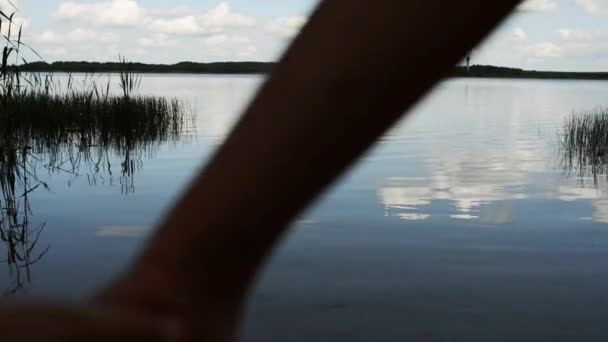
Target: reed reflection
x=97, y=137
x=19, y=237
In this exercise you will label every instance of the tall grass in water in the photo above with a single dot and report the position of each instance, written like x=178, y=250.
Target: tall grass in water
x=40, y=115
x=73, y=128
x=46, y=122
x=20, y=238
x=129, y=81
x=73, y=133
x=584, y=143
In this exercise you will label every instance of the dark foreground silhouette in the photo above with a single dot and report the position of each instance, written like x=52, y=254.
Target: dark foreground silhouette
x=192, y=281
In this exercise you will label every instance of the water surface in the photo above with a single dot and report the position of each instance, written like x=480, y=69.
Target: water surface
x=459, y=225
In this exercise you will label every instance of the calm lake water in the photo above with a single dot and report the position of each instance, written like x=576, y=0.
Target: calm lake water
x=459, y=225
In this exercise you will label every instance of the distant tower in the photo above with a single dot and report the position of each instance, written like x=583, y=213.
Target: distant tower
x=468, y=63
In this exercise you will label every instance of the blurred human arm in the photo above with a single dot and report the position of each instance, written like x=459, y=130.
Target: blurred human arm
x=351, y=73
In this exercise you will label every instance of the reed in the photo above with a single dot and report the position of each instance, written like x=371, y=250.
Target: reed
x=72, y=127
x=584, y=143
x=129, y=81
x=40, y=115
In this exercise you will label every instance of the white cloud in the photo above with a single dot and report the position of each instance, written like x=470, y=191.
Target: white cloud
x=114, y=13
x=179, y=11
x=19, y=21
x=546, y=50
x=223, y=39
x=520, y=35
x=214, y=21
x=183, y=25
x=55, y=52
x=286, y=27
x=219, y=28
x=74, y=36
x=155, y=40
x=573, y=35
x=95, y=29
x=230, y=46
x=592, y=7
x=7, y=7
x=543, y=6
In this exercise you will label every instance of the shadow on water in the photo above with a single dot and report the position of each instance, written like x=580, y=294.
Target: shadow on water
x=584, y=145
x=100, y=137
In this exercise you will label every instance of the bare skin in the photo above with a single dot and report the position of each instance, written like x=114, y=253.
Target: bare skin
x=353, y=71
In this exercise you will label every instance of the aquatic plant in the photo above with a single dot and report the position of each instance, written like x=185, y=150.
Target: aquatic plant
x=584, y=143
x=129, y=81
x=40, y=115
x=76, y=127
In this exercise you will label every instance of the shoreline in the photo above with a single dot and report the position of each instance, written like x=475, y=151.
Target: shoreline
x=262, y=68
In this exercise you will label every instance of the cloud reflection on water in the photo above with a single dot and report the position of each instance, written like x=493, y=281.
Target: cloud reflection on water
x=479, y=182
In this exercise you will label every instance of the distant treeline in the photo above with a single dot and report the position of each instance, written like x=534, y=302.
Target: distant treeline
x=489, y=71
x=183, y=67
x=486, y=71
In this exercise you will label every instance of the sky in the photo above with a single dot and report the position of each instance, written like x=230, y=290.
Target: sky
x=542, y=34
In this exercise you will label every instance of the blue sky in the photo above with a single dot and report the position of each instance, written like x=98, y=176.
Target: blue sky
x=551, y=35
x=542, y=34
